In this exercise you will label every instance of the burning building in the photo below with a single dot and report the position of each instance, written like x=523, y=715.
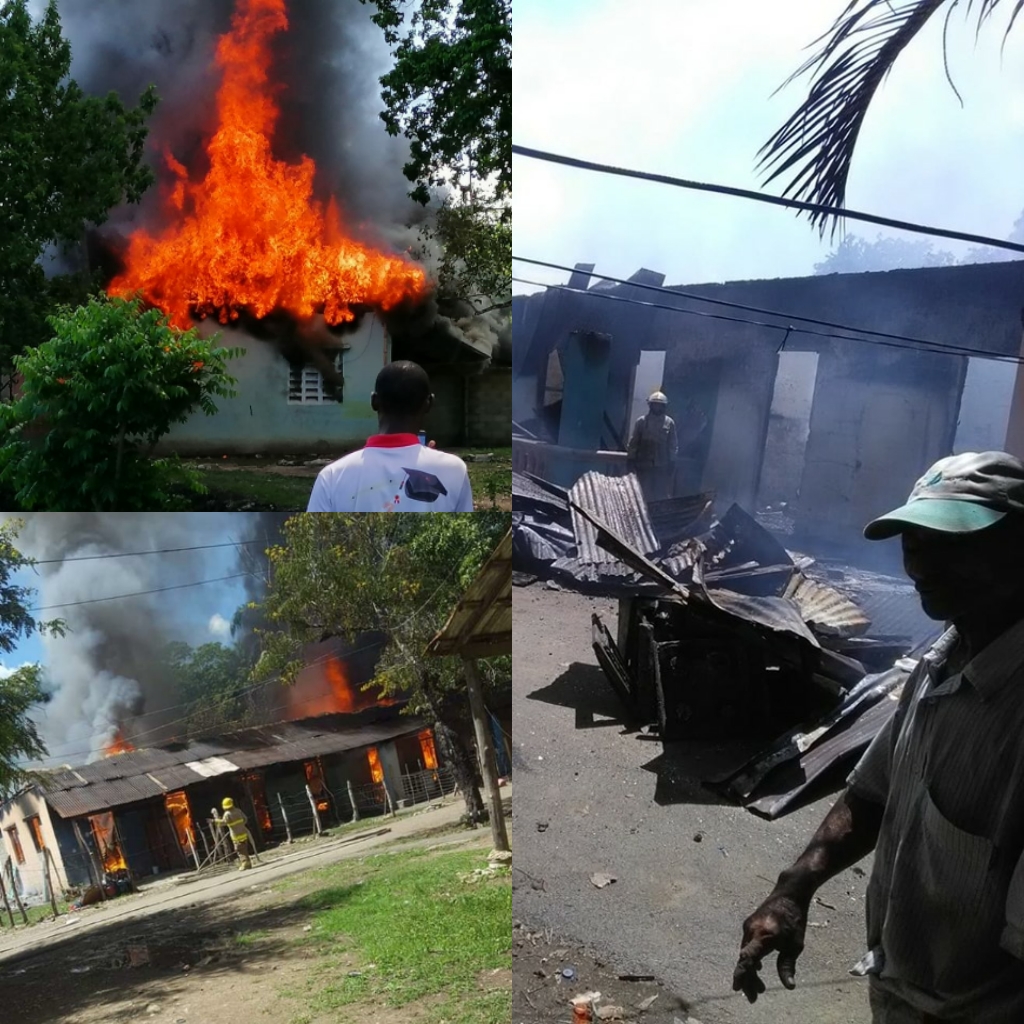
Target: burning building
x=148, y=811
x=300, y=260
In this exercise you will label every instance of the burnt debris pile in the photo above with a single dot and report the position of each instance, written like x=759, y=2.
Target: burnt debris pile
x=722, y=632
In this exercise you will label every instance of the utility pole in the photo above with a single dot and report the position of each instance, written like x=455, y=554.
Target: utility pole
x=485, y=747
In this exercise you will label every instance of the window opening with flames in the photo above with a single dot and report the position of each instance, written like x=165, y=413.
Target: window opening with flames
x=181, y=819
x=257, y=790
x=107, y=846
x=376, y=768
x=317, y=785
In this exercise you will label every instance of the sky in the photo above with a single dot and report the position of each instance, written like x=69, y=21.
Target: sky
x=684, y=88
x=102, y=673
x=202, y=614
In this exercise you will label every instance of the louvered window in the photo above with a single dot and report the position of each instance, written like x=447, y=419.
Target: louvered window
x=306, y=384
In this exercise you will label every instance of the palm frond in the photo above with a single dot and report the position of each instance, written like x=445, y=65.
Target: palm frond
x=818, y=141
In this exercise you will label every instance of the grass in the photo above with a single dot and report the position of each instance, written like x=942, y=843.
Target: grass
x=36, y=914
x=258, y=489
x=422, y=931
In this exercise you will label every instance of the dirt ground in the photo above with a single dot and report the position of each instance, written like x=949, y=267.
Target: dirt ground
x=240, y=960
x=228, y=949
x=550, y=972
x=595, y=796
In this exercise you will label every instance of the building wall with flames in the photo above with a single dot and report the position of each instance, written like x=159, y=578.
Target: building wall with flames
x=172, y=831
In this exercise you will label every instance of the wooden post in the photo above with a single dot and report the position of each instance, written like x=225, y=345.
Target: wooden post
x=14, y=889
x=56, y=871
x=352, y=800
x=7, y=905
x=316, y=813
x=124, y=856
x=49, y=884
x=95, y=874
x=485, y=747
x=389, y=802
x=192, y=847
x=284, y=814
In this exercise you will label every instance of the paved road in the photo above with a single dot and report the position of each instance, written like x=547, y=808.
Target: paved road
x=188, y=890
x=607, y=803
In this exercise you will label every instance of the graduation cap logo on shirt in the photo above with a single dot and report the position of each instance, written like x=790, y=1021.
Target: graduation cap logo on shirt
x=423, y=486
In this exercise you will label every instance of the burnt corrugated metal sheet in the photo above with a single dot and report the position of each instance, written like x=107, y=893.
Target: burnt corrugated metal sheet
x=675, y=518
x=825, y=609
x=100, y=796
x=481, y=624
x=619, y=503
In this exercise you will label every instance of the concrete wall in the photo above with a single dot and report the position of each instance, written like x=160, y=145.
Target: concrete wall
x=31, y=873
x=879, y=421
x=488, y=402
x=261, y=419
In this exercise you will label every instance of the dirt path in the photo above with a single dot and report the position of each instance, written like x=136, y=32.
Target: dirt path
x=224, y=950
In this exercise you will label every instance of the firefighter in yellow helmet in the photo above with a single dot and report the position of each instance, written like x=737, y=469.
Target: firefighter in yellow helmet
x=235, y=822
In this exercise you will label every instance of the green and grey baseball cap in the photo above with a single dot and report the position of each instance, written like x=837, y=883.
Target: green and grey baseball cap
x=959, y=494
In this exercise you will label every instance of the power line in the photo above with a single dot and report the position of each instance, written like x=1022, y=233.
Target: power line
x=62, y=757
x=938, y=348
x=138, y=593
x=922, y=342
x=135, y=554
x=764, y=197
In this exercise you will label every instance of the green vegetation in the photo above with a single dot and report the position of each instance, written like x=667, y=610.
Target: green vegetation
x=429, y=932
x=68, y=159
x=96, y=399
x=348, y=574
x=21, y=692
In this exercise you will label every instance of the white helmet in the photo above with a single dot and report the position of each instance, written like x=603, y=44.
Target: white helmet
x=658, y=398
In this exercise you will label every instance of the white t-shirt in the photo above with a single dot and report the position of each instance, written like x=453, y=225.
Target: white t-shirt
x=393, y=473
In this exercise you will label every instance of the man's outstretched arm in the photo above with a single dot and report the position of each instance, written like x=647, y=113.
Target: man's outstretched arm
x=848, y=833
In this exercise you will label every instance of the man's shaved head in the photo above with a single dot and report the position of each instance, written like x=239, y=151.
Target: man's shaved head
x=402, y=389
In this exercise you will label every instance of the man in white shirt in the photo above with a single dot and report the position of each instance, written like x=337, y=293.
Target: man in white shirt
x=394, y=472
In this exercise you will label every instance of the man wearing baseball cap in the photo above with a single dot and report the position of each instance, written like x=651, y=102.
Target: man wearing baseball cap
x=939, y=794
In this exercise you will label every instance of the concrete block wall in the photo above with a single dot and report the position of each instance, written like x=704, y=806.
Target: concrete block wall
x=489, y=408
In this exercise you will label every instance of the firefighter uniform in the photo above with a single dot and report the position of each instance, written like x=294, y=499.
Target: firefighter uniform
x=653, y=448
x=235, y=822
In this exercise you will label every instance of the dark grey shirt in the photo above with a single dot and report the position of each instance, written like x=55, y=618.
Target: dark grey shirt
x=945, y=903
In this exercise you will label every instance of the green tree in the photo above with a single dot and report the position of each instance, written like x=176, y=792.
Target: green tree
x=346, y=575
x=815, y=147
x=21, y=691
x=66, y=159
x=450, y=94
x=450, y=90
x=475, y=241
x=212, y=680
x=95, y=401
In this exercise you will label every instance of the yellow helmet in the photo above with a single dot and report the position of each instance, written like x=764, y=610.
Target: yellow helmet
x=227, y=803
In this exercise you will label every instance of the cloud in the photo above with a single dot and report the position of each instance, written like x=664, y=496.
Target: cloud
x=219, y=626
x=6, y=670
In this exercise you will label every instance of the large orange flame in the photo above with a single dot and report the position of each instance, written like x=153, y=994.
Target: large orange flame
x=118, y=745
x=107, y=846
x=324, y=688
x=181, y=818
x=250, y=235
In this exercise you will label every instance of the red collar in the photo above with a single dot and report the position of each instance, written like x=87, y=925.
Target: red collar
x=391, y=440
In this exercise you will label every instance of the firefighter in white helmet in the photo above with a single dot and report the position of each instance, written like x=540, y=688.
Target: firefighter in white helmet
x=235, y=822
x=653, y=447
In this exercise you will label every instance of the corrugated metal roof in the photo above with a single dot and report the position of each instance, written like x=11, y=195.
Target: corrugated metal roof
x=481, y=624
x=825, y=609
x=674, y=518
x=619, y=503
x=128, y=778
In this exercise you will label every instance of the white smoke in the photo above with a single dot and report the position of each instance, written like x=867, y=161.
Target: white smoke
x=105, y=673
